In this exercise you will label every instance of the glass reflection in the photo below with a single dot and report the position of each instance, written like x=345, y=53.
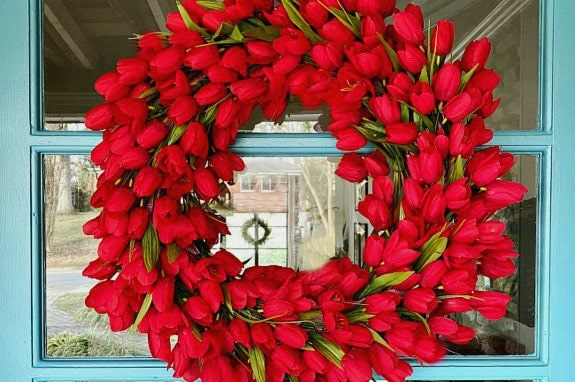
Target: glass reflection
x=71, y=329
x=279, y=209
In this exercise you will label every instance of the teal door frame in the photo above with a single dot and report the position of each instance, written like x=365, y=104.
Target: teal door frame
x=22, y=143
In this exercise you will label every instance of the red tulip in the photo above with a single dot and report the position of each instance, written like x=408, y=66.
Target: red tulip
x=376, y=211
x=138, y=222
x=100, y=270
x=376, y=164
x=206, y=184
x=385, y=109
x=120, y=201
x=147, y=182
x=210, y=94
x=408, y=28
x=166, y=62
x=291, y=335
x=334, y=31
x=183, y=110
x=492, y=305
x=476, y=54
x=202, y=57
x=235, y=58
x=446, y=82
x=111, y=247
x=420, y=300
x=501, y=193
x=225, y=163
x=211, y=292
x=163, y=294
x=381, y=8
x=422, y=98
x=194, y=141
x=327, y=56
x=411, y=58
x=260, y=52
x=401, y=133
x=352, y=168
x=459, y=107
x=135, y=158
x=132, y=70
x=198, y=310
x=356, y=365
x=153, y=133
x=100, y=117
x=434, y=204
x=442, y=37
x=249, y=90
x=432, y=273
x=399, y=86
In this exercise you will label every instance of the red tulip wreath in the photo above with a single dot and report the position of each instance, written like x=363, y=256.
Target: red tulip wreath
x=169, y=119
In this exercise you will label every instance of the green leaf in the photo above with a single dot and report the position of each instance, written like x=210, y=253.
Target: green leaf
x=404, y=112
x=258, y=363
x=431, y=250
x=223, y=30
x=415, y=316
x=150, y=247
x=380, y=283
x=379, y=339
x=190, y=24
x=146, y=304
x=265, y=33
x=390, y=52
x=173, y=252
x=300, y=22
x=237, y=34
x=423, y=76
x=466, y=77
x=176, y=133
x=213, y=5
x=327, y=348
x=456, y=172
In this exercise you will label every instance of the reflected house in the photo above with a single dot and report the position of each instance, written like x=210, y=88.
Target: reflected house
x=266, y=185
x=270, y=188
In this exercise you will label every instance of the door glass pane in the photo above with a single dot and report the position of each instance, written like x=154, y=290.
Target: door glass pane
x=83, y=39
x=71, y=329
x=514, y=334
x=292, y=200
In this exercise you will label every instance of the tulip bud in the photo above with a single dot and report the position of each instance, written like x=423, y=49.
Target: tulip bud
x=111, y=247
x=138, y=222
x=459, y=107
x=166, y=62
x=501, y=193
x=373, y=250
x=420, y=300
x=153, y=133
x=432, y=273
x=352, y=168
x=120, y=201
x=291, y=335
x=385, y=109
x=492, y=305
x=163, y=294
x=411, y=58
x=183, y=110
x=147, y=182
x=132, y=70
x=235, y=58
x=327, y=56
x=476, y=54
x=446, y=82
x=422, y=98
x=401, y=133
x=206, y=184
x=442, y=37
x=100, y=270
x=462, y=336
x=434, y=204
x=100, y=117
x=376, y=164
x=194, y=141
x=135, y=158
x=408, y=28
x=202, y=57
x=399, y=86
x=249, y=90
x=210, y=94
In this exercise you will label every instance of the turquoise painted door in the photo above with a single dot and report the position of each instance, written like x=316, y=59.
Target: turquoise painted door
x=38, y=292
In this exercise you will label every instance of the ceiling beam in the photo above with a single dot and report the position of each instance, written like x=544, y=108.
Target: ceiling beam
x=70, y=32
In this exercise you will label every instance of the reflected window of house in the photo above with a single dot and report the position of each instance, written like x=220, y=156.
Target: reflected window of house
x=268, y=183
x=247, y=183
